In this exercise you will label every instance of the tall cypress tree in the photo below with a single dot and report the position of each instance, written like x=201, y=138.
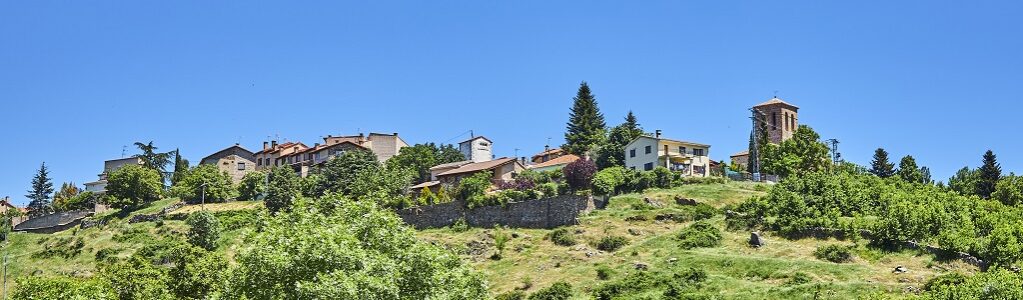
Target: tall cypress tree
x=990, y=172
x=180, y=167
x=586, y=125
x=42, y=188
x=880, y=165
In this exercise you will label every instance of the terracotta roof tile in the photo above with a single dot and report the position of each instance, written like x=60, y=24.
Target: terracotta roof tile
x=560, y=160
x=480, y=166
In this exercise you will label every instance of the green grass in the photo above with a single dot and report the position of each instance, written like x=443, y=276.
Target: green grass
x=735, y=271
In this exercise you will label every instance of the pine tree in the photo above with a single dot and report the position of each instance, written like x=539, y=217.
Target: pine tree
x=180, y=167
x=880, y=166
x=153, y=160
x=925, y=173
x=756, y=150
x=586, y=125
x=39, y=195
x=990, y=172
x=612, y=152
x=909, y=171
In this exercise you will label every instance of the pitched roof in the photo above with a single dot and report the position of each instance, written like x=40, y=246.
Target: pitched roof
x=475, y=138
x=774, y=101
x=560, y=160
x=480, y=166
x=670, y=140
x=450, y=165
x=741, y=153
x=245, y=152
x=425, y=184
x=548, y=151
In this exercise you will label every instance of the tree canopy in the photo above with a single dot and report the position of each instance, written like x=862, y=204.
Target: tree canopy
x=133, y=185
x=880, y=166
x=39, y=195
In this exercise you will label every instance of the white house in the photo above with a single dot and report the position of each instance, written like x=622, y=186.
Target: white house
x=648, y=152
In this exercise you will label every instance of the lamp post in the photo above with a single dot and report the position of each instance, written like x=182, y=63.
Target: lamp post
x=203, y=186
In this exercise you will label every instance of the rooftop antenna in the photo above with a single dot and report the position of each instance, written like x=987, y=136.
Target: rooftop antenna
x=548, y=141
x=471, y=134
x=775, y=93
x=516, y=152
x=124, y=148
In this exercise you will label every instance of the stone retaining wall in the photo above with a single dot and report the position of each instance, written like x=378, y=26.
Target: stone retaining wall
x=541, y=213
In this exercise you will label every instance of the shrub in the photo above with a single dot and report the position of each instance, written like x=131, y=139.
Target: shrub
x=204, y=230
x=799, y=278
x=945, y=281
x=500, y=241
x=604, y=272
x=513, y=295
x=663, y=177
x=612, y=243
x=62, y=287
x=196, y=273
x=608, y=181
x=631, y=283
x=460, y=225
x=684, y=283
x=549, y=189
x=579, y=173
x=699, y=234
x=472, y=189
x=132, y=186
x=204, y=178
x=558, y=291
x=252, y=186
x=1009, y=190
x=562, y=237
x=833, y=253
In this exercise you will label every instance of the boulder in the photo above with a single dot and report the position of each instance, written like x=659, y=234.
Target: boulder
x=640, y=266
x=685, y=201
x=635, y=231
x=900, y=270
x=755, y=240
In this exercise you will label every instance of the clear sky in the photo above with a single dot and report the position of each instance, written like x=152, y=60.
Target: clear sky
x=940, y=80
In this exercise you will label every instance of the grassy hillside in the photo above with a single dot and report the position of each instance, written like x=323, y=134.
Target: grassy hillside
x=783, y=269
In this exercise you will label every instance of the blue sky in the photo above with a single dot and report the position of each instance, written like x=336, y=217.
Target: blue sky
x=940, y=80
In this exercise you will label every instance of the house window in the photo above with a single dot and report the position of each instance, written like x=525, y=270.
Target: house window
x=698, y=152
x=681, y=150
x=648, y=166
x=259, y=162
x=241, y=166
x=648, y=149
x=774, y=121
x=632, y=153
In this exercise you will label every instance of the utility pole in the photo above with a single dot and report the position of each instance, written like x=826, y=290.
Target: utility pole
x=835, y=156
x=5, y=275
x=754, y=151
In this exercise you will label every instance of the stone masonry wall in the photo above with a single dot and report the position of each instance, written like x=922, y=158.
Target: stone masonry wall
x=541, y=213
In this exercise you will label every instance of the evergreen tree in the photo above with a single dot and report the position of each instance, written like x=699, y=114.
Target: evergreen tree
x=880, y=166
x=585, y=123
x=612, y=153
x=180, y=168
x=153, y=160
x=757, y=150
x=990, y=172
x=909, y=171
x=925, y=173
x=39, y=195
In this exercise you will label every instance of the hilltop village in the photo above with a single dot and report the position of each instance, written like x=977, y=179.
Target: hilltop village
x=641, y=151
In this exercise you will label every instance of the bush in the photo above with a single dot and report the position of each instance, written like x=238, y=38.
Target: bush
x=608, y=181
x=612, y=243
x=579, y=173
x=799, y=278
x=698, y=235
x=204, y=230
x=683, y=284
x=252, y=186
x=632, y=283
x=703, y=211
x=132, y=186
x=663, y=177
x=558, y=291
x=833, y=253
x=604, y=272
x=62, y=287
x=196, y=273
x=513, y=295
x=460, y=225
x=472, y=189
x=549, y=189
x=945, y=281
x=309, y=254
x=562, y=237
x=218, y=186
x=1009, y=190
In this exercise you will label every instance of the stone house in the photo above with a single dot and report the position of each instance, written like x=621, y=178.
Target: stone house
x=109, y=166
x=304, y=160
x=383, y=145
x=648, y=152
x=781, y=119
x=6, y=206
x=235, y=160
x=502, y=169
x=477, y=149
x=547, y=155
x=269, y=156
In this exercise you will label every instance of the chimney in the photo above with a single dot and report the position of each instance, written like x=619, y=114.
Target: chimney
x=273, y=144
x=657, y=133
x=546, y=148
x=266, y=145
x=316, y=145
x=522, y=160
x=395, y=134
